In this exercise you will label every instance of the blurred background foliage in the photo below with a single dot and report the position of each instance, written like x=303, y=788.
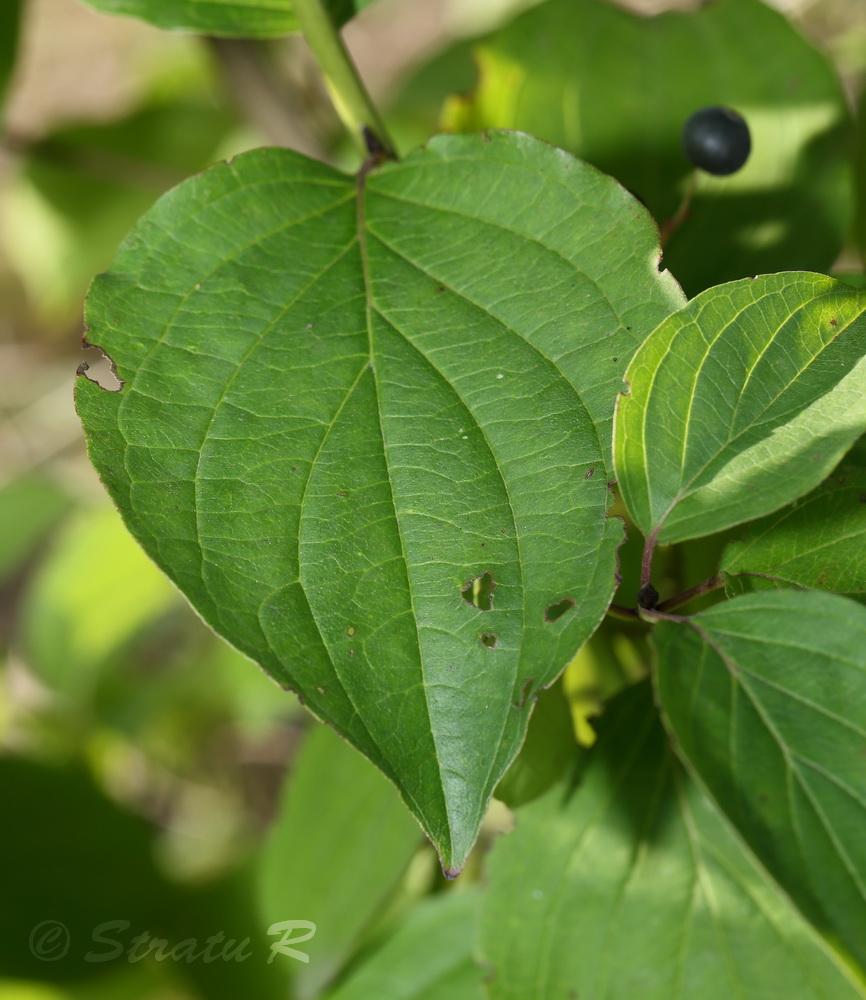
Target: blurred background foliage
x=148, y=772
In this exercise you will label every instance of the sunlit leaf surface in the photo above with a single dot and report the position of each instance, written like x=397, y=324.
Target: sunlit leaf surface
x=740, y=403
x=365, y=427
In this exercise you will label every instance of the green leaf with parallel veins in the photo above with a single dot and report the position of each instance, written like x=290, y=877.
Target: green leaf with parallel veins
x=429, y=957
x=334, y=855
x=630, y=885
x=766, y=697
x=616, y=88
x=353, y=409
x=740, y=403
x=818, y=541
x=224, y=18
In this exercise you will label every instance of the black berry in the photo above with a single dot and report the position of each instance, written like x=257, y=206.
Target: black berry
x=717, y=140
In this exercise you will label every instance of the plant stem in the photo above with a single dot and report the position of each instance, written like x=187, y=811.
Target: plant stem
x=671, y=225
x=618, y=611
x=698, y=590
x=646, y=564
x=346, y=88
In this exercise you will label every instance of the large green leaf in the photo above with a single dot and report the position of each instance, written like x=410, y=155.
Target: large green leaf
x=630, y=885
x=818, y=541
x=766, y=696
x=615, y=88
x=354, y=406
x=740, y=403
x=224, y=18
x=341, y=842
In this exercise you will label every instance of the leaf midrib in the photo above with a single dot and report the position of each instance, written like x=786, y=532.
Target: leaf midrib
x=368, y=307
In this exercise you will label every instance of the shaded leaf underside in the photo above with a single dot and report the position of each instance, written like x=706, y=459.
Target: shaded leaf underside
x=765, y=696
x=819, y=541
x=630, y=885
x=337, y=857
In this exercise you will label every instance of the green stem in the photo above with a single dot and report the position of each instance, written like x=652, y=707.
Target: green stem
x=651, y=615
x=346, y=88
